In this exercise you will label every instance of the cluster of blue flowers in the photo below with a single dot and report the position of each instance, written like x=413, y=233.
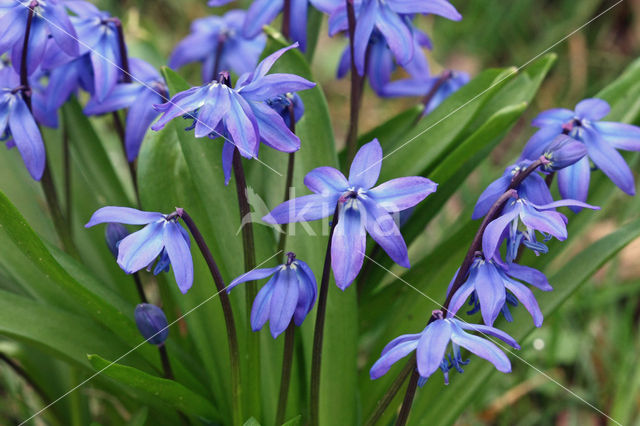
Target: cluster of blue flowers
x=74, y=46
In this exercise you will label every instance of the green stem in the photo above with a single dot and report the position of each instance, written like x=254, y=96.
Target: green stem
x=287, y=362
x=318, y=334
x=234, y=353
x=251, y=290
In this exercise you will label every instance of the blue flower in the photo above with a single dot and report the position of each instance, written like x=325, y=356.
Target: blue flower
x=362, y=209
x=281, y=104
x=262, y=12
x=162, y=237
x=290, y=293
x=431, y=345
x=601, y=139
x=18, y=126
x=241, y=114
x=390, y=17
x=534, y=217
x=113, y=234
x=146, y=90
x=152, y=323
x=563, y=152
x=50, y=22
x=533, y=188
x=208, y=35
x=491, y=281
x=100, y=41
x=381, y=62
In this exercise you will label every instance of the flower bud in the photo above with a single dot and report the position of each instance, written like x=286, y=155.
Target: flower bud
x=152, y=323
x=114, y=233
x=563, y=152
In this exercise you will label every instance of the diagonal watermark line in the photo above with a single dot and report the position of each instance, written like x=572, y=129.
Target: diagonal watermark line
x=147, y=86
x=503, y=347
x=515, y=71
x=97, y=373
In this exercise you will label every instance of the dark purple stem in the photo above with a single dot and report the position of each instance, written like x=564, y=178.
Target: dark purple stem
x=408, y=399
x=216, y=61
x=286, y=19
x=285, y=378
x=318, y=333
x=24, y=74
x=234, y=353
x=426, y=100
x=357, y=85
x=122, y=47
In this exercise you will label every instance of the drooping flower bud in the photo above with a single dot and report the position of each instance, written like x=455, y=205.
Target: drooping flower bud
x=563, y=152
x=113, y=234
x=152, y=323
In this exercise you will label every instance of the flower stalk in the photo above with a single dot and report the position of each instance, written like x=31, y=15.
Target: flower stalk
x=234, y=353
x=285, y=378
x=357, y=86
x=286, y=19
x=391, y=392
x=318, y=333
x=408, y=399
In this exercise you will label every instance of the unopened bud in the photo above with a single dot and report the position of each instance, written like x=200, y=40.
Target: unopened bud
x=563, y=152
x=152, y=323
x=113, y=234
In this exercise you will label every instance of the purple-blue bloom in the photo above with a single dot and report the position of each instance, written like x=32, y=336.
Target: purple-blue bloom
x=491, y=281
x=113, y=234
x=563, y=152
x=362, y=209
x=262, y=12
x=533, y=188
x=431, y=345
x=50, y=22
x=152, y=323
x=162, y=237
x=281, y=104
x=601, y=139
x=390, y=17
x=290, y=293
x=208, y=35
x=241, y=113
x=146, y=90
x=534, y=217
x=17, y=124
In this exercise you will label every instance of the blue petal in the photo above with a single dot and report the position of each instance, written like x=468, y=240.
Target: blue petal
x=365, y=168
x=306, y=292
x=383, y=229
x=214, y=109
x=326, y=180
x=549, y=222
x=536, y=146
x=398, y=36
x=528, y=300
x=261, y=305
x=382, y=365
x=140, y=248
x=348, y=246
x=489, y=287
x=273, y=130
x=482, y=348
x=299, y=22
x=27, y=138
x=609, y=161
x=529, y=275
x=139, y=119
x=179, y=255
x=227, y=160
x=489, y=331
x=620, y=135
x=490, y=195
x=260, y=13
x=283, y=301
x=61, y=29
x=364, y=28
x=303, y=209
x=434, y=7
x=122, y=96
x=592, y=109
x=253, y=275
x=273, y=85
x=402, y=193
x=493, y=233
x=125, y=215
x=553, y=117
x=242, y=127
x=432, y=346
x=573, y=181
x=104, y=60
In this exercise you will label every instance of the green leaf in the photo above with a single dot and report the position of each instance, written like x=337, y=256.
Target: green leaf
x=29, y=244
x=166, y=391
x=434, y=405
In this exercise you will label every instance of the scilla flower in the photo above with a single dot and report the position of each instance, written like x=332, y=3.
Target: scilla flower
x=431, y=345
x=162, y=237
x=290, y=293
x=17, y=124
x=50, y=22
x=362, y=209
x=390, y=17
x=601, y=139
x=491, y=281
x=219, y=44
x=262, y=12
x=241, y=113
x=148, y=88
x=534, y=217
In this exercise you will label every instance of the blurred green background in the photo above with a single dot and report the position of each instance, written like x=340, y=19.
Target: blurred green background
x=590, y=346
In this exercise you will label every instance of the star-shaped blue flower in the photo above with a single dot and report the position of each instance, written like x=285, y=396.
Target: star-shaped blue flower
x=17, y=124
x=162, y=237
x=431, y=345
x=390, y=17
x=290, y=293
x=208, y=35
x=491, y=281
x=146, y=90
x=241, y=114
x=601, y=139
x=363, y=209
